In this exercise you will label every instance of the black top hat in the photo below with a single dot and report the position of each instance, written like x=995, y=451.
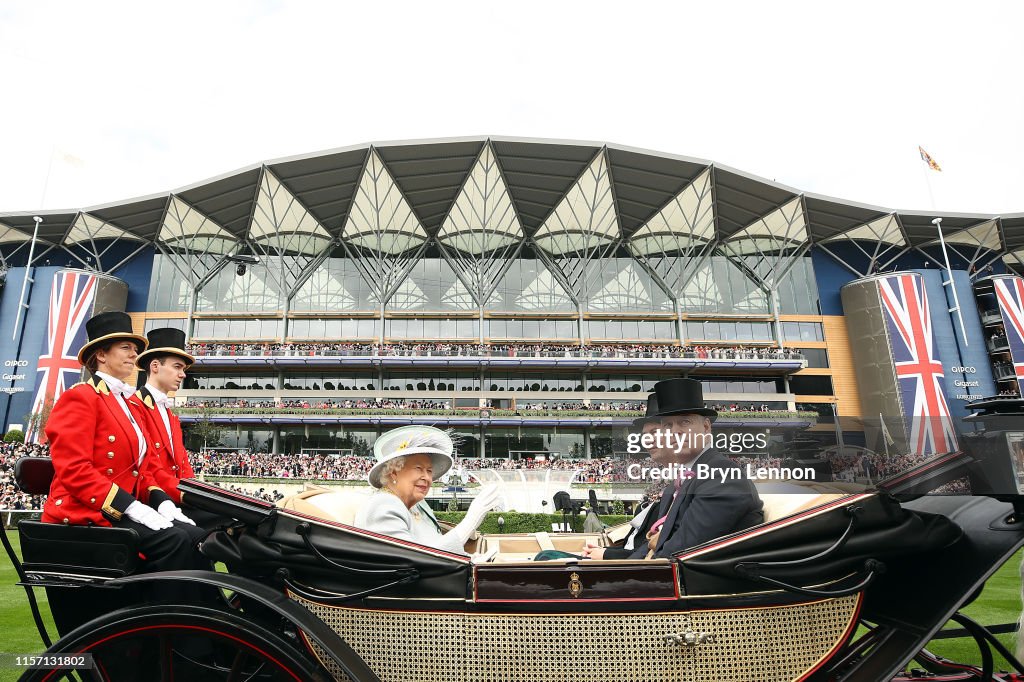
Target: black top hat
x=107, y=327
x=650, y=415
x=164, y=341
x=682, y=396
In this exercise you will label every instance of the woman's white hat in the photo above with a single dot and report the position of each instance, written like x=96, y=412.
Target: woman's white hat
x=412, y=440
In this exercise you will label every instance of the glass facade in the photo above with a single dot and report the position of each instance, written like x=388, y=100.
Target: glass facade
x=432, y=328
x=240, y=329
x=715, y=330
x=646, y=330
x=532, y=329
x=344, y=380
x=367, y=329
x=794, y=332
x=528, y=286
x=533, y=381
x=336, y=285
x=528, y=443
x=216, y=381
x=798, y=290
x=175, y=322
x=461, y=380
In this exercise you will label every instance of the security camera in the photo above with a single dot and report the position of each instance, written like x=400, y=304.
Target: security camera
x=240, y=269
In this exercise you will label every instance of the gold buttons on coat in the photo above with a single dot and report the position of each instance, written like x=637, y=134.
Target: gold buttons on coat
x=111, y=439
x=135, y=473
x=92, y=500
x=67, y=521
x=158, y=444
x=174, y=468
x=110, y=455
x=110, y=472
x=58, y=502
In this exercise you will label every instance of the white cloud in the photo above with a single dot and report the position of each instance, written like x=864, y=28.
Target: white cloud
x=828, y=100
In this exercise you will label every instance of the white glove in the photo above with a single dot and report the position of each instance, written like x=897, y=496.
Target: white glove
x=484, y=502
x=147, y=516
x=170, y=511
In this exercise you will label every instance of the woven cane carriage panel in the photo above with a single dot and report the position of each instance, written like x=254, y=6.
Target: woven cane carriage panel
x=750, y=645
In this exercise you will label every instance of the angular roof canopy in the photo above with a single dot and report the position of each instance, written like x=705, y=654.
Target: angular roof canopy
x=478, y=193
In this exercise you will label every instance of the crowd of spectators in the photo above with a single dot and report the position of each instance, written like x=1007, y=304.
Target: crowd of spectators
x=866, y=468
x=10, y=496
x=544, y=350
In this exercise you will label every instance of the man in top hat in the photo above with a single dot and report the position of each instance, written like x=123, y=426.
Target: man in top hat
x=695, y=510
x=640, y=525
x=99, y=443
x=163, y=365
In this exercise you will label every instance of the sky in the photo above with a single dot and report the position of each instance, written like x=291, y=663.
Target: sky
x=109, y=101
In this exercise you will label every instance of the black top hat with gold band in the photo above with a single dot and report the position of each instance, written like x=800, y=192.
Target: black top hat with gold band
x=107, y=327
x=164, y=341
x=682, y=396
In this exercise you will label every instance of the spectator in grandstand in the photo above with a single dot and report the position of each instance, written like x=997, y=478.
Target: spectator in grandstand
x=409, y=459
x=545, y=350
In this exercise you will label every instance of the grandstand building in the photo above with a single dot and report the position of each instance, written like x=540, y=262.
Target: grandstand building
x=527, y=293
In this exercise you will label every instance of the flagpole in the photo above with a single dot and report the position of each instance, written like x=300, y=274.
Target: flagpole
x=937, y=222
x=28, y=277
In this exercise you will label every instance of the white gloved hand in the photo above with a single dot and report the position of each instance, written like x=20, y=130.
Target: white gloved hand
x=147, y=516
x=170, y=511
x=483, y=503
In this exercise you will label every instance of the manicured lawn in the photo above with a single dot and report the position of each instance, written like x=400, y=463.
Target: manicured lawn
x=998, y=603
x=19, y=632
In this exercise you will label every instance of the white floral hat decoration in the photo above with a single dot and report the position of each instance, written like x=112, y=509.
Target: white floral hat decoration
x=413, y=440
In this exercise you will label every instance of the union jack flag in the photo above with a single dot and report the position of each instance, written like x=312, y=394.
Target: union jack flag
x=1010, y=294
x=71, y=300
x=919, y=373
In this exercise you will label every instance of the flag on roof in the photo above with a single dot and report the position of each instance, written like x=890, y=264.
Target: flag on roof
x=927, y=158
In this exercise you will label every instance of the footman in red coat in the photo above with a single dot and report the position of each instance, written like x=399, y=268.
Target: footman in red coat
x=163, y=366
x=98, y=442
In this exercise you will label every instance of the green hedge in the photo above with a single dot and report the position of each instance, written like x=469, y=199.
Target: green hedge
x=527, y=523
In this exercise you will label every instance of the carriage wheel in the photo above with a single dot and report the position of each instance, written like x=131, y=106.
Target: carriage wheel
x=164, y=643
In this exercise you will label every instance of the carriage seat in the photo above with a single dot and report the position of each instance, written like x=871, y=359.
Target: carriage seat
x=69, y=553
x=329, y=503
x=784, y=498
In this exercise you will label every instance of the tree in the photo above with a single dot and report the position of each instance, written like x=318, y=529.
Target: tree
x=14, y=436
x=36, y=421
x=204, y=431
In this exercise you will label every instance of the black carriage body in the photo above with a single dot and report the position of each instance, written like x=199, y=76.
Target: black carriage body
x=778, y=601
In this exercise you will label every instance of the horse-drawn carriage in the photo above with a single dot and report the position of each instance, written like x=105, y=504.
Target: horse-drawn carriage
x=836, y=587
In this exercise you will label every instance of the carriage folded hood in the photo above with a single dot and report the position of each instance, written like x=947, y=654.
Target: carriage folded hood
x=881, y=528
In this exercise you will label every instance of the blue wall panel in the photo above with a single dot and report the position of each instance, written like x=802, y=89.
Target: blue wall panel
x=15, y=407
x=137, y=273
x=831, y=277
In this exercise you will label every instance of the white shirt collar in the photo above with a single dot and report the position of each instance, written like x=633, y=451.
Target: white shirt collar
x=159, y=397
x=116, y=385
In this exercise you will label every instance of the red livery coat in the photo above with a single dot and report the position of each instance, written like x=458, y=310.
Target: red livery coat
x=164, y=466
x=95, y=456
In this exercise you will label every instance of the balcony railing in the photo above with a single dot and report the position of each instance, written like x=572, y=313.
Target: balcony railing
x=215, y=411
x=989, y=317
x=998, y=344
